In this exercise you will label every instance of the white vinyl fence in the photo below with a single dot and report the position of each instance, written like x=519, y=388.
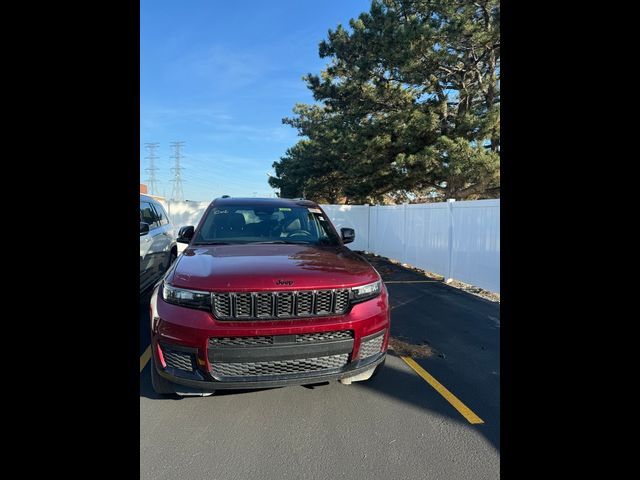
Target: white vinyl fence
x=459, y=240
x=185, y=213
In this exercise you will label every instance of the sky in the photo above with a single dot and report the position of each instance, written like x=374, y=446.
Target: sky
x=220, y=76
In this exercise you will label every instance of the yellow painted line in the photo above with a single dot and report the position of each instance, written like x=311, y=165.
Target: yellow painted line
x=450, y=397
x=412, y=281
x=144, y=358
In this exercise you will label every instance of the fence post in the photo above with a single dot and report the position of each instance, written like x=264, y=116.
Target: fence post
x=404, y=233
x=378, y=227
x=447, y=277
x=376, y=247
x=368, y=226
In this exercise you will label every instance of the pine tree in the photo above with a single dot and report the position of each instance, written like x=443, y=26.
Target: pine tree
x=409, y=105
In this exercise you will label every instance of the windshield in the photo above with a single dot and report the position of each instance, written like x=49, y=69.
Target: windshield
x=265, y=224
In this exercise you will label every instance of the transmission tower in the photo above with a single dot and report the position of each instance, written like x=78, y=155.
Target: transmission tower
x=151, y=181
x=176, y=192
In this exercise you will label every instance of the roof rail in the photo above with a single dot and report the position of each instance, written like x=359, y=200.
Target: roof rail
x=225, y=196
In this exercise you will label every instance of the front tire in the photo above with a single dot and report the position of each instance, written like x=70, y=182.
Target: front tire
x=160, y=384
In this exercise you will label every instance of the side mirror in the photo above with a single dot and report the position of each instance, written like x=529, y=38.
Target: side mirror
x=185, y=234
x=144, y=228
x=348, y=235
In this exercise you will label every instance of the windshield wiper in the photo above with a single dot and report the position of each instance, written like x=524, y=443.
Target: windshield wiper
x=287, y=242
x=212, y=243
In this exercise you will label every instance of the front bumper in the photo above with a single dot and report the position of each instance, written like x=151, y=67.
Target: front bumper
x=188, y=332
x=199, y=383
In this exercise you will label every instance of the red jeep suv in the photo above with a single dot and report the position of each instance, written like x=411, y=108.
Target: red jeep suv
x=266, y=294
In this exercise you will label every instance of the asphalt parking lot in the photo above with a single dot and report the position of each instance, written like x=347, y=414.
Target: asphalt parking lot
x=439, y=420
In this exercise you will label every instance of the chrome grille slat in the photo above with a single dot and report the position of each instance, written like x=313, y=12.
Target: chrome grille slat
x=323, y=302
x=304, y=303
x=222, y=305
x=264, y=305
x=243, y=304
x=285, y=301
x=272, y=305
x=342, y=301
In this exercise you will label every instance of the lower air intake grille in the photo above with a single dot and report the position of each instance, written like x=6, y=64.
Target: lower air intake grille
x=178, y=360
x=216, y=342
x=371, y=347
x=235, y=341
x=279, y=367
x=324, y=336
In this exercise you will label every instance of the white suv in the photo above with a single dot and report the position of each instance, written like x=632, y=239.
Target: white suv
x=158, y=247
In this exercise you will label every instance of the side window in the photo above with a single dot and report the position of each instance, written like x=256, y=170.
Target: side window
x=148, y=215
x=161, y=214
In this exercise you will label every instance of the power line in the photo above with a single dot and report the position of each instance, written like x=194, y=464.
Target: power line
x=151, y=181
x=177, y=194
x=198, y=174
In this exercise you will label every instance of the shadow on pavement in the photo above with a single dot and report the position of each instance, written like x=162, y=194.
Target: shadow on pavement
x=406, y=386
x=397, y=384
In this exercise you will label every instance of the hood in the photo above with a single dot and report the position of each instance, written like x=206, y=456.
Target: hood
x=260, y=267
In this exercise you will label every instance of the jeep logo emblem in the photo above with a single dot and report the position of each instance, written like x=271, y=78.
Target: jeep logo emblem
x=284, y=282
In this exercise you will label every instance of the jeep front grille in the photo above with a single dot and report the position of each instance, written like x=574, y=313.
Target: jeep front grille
x=271, y=305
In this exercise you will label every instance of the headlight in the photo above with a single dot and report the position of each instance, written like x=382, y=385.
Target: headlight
x=366, y=292
x=186, y=298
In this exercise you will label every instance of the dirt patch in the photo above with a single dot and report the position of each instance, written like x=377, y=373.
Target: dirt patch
x=384, y=270
x=406, y=349
x=411, y=268
x=494, y=297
